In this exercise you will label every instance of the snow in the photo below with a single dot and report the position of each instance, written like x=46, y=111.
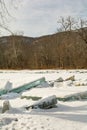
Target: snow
x=70, y=115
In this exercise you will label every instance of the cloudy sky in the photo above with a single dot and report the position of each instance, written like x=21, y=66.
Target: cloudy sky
x=39, y=17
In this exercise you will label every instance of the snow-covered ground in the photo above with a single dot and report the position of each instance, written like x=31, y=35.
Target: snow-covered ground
x=70, y=115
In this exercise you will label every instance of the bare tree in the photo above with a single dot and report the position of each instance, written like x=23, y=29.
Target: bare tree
x=15, y=41
x=5, y=15
x=73, y=24
x=81, y=28
x=66, y=23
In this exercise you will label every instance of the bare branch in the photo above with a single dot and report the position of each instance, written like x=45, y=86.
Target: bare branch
x=72, y=24
x=5, y=13
x=66, y=24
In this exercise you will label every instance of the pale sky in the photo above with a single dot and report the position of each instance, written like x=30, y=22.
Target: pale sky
x=39, y=17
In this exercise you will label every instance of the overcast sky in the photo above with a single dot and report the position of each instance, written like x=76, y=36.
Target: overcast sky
x=39, y=17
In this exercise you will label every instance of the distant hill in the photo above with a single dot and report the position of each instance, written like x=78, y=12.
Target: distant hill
x=65, y=50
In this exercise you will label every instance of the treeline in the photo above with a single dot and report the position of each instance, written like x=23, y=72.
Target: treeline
x=65, y=50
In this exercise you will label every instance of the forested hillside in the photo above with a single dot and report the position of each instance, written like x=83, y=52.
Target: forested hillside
x=65, y=50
